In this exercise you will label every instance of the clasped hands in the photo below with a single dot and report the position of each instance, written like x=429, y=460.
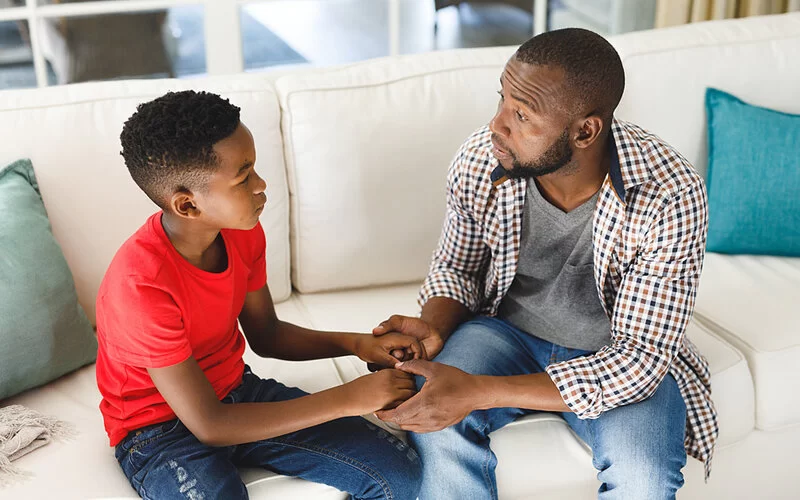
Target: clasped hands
x=409, y=344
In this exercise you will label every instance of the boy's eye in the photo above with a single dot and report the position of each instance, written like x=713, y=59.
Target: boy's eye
x=245, y=180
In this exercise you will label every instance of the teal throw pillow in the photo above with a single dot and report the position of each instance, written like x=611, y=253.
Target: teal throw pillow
x=44, y=333
x=753, y=178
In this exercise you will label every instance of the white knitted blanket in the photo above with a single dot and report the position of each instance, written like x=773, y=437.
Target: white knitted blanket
x=23, y=430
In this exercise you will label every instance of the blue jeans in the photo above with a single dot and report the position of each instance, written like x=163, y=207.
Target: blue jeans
x=165, y=461
x=637, y=449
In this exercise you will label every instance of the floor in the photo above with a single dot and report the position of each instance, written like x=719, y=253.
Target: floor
x=319, y=32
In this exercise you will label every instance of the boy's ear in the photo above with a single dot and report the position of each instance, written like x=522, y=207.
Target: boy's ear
x=183, y=204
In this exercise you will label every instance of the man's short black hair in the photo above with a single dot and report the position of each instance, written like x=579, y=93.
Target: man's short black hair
x=168, y=143
x=593, y=70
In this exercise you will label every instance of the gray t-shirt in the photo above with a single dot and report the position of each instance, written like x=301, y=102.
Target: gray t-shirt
x=553, y=295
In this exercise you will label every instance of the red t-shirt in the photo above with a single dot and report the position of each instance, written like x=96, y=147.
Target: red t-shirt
x=155, y=309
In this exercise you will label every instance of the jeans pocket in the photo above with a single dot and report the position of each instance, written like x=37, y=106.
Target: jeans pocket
x=144, y=439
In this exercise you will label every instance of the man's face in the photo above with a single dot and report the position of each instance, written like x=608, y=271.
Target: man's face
x=530, y=131
x=233, y=197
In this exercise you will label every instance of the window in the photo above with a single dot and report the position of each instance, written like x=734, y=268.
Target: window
x=48, y=42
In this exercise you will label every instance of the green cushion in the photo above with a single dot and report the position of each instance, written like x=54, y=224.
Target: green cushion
x=753, y=178
x=44, y=333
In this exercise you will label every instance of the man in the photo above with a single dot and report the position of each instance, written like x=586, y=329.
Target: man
x=564, y=280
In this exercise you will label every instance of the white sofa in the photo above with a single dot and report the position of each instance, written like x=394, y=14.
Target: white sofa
x=355, y=160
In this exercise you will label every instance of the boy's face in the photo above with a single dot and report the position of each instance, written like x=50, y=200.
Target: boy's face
x=234, y=194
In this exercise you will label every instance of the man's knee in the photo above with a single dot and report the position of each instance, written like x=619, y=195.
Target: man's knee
x=451, y=440
x=400, y=481
x=636, y=475
x=479, y=347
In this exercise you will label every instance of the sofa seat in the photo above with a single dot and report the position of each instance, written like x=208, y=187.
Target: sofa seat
x=752, y=301
x=562, y=461
x=85, y=467
x=553, y=460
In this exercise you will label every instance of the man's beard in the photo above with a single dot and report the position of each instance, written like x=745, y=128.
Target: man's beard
x=556, y=157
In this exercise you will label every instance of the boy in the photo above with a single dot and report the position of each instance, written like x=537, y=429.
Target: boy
x=179, y=404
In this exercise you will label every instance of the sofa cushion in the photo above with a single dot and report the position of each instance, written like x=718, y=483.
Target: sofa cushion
x=72, y=137
x=752, y=302
x=753, y=178
x=85, y=466
x=367, y=151
x=361, y=310
x=668, y=70
x=44, y=333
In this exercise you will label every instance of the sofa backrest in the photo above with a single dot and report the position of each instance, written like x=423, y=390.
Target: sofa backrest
x=756, y=59
x=367, y=149
x=367, y=146
x=71, y=134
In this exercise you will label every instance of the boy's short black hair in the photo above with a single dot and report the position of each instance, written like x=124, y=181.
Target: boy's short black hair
x=168, y=143
x=595, y=78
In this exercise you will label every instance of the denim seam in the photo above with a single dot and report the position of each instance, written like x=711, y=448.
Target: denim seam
x=344, y=459
x=592, y=438
x=486, y=475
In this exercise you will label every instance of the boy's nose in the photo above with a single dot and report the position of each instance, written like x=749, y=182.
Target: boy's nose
x=261, y=185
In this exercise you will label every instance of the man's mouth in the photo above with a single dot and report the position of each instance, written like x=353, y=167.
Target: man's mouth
x=499, y=151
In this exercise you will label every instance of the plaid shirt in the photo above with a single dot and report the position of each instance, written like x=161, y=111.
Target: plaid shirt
x=649, y=234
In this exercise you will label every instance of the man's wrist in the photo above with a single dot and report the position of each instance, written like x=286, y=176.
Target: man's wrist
x=485, y=389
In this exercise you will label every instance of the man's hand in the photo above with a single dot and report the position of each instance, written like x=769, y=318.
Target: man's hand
x=429, y=338
x=447, y=397
x=387, y=350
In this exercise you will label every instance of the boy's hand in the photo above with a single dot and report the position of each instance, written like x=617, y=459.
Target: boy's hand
x=385, y=389
x=430, y=339
x=386, y=350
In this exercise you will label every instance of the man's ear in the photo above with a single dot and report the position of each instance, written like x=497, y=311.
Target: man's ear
x=588, y=131
x=183, y=204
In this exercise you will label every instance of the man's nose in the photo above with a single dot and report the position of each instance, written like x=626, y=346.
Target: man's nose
x=498, y=125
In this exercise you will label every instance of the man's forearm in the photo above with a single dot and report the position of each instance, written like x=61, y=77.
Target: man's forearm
x=444, y=314
x=534, y=392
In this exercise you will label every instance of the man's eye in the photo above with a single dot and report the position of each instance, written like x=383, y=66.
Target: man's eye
x=500, y=93
x=521, y=117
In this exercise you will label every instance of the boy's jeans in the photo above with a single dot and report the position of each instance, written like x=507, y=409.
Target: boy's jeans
x=165, y=461
x=638, y=449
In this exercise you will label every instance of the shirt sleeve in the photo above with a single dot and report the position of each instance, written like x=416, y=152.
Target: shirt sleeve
x=258, y=272
x=652, y=308
x=144, y=326
x=461, y=253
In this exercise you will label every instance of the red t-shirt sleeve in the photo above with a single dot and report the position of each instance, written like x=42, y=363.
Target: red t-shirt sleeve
x=258, y=273
x=144, y=326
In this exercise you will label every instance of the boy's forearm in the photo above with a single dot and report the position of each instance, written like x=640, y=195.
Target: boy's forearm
x=295, y=343
x=232, y=424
